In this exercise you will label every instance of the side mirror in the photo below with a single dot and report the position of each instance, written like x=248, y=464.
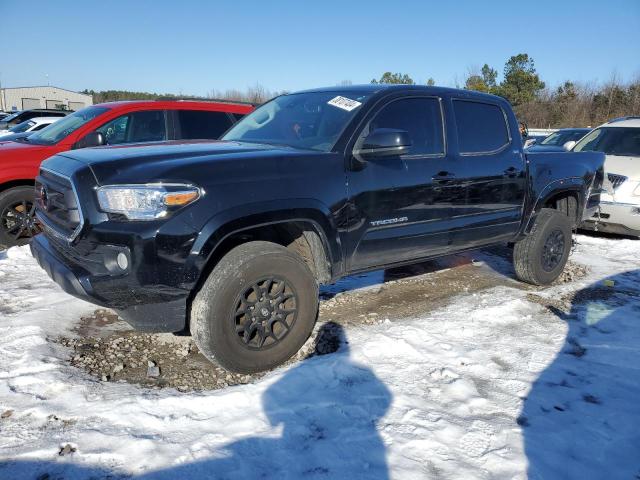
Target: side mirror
x=569, y=145
x=384, y=142
x=92, y=139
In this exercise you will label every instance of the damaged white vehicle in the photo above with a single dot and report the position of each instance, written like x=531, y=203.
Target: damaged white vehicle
x=620, y=202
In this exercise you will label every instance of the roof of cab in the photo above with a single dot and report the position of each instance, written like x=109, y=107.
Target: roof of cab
x=374, y=88
x=222, y=105
x=631, y=121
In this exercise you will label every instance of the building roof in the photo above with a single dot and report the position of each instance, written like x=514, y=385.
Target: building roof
x=46, y=86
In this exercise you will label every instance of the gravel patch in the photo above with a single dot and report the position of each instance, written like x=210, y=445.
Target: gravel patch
x=165, y=360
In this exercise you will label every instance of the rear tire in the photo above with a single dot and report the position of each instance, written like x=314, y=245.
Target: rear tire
x=256, y=309
x=540, y=257
x=17, y=220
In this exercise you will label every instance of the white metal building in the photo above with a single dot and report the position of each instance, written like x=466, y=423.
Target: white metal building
x=23, y=98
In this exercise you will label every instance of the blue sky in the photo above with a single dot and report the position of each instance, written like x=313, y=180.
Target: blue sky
x=192, y=47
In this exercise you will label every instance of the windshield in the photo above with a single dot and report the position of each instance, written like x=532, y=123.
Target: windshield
x=22, y=127
x=8, y=118
x=5, y=121
x=303, y=120
x=63, y=127
x=612, y=141
x=560, y=138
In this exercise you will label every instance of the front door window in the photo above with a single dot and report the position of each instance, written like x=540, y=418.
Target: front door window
x=145, y=126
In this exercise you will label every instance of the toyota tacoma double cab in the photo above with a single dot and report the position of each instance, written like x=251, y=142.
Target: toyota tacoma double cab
x=114, y=123
x=230, y=240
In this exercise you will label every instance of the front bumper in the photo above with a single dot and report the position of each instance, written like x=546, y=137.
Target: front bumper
x=614, y=217
x=152, y=309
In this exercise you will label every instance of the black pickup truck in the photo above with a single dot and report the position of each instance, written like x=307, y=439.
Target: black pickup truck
x=230, y=240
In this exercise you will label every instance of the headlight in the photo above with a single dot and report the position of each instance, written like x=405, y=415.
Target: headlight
x=146, y=202
x=636, y=192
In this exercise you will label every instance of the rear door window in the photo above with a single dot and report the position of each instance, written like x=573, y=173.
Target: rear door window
x=202, y=124
x=482, y=127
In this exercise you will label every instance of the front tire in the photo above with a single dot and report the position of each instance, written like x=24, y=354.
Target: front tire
x=256, y=309
x=17, y=216
x=540, y=258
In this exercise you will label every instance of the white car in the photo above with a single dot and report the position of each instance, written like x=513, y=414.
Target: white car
x=620, y=204
x=31, y=125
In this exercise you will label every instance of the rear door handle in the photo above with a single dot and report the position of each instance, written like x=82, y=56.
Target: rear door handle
x=511, y=172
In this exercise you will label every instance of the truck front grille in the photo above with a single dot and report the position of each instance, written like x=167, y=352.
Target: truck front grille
x=616, y=180
x=57, y=205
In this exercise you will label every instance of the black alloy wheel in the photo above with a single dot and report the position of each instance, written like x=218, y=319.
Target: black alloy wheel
x=18, y=222
x=553, y=250
x=265, y=313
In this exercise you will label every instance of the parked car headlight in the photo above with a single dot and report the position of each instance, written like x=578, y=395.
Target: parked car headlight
x=145, y=202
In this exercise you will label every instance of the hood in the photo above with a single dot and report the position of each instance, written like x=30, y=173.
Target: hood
x=545, y=148
x=14, y=136
x=9, y=147
x=161, y=151
x=177, y=160
x=623, y=165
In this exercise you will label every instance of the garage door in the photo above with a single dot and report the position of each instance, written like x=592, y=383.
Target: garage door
x=54, y=104
x=76, y=106
x=29, y=103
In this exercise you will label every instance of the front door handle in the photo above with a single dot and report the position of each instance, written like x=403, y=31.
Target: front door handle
x=443, y=177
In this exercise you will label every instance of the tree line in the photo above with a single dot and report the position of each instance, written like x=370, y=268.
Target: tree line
x=256, y=95
x=571, y=104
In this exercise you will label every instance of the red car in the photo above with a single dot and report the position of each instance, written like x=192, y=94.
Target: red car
x=103, y=124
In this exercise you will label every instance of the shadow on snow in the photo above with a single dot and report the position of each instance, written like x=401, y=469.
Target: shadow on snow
x=328, y=407
x=581, y=419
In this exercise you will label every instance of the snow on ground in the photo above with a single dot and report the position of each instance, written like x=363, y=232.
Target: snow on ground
x=504, y=383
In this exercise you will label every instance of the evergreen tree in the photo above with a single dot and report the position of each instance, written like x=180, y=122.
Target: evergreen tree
x=521, y=83
x=476, y=82
x=395, y=78
x=483, y=81
x=489, y=76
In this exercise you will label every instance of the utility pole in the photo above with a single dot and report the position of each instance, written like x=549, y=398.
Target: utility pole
x=1, y=95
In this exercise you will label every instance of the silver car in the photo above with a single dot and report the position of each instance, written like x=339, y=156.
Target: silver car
x=620, y=203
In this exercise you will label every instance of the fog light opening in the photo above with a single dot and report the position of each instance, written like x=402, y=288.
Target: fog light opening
x=123, y=261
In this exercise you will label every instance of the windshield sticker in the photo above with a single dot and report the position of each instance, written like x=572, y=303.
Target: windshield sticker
x=344, y=103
